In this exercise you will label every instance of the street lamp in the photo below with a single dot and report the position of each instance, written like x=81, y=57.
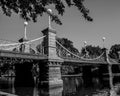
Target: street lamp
x=85, y=43
x=25, y=33
x=103, y=39
x=86, y=52
x=49, y=10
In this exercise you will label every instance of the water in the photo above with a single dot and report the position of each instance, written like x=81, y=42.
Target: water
x=71, y=87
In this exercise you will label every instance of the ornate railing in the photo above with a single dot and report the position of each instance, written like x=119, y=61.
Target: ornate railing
x=32, y=46
x=66, y=54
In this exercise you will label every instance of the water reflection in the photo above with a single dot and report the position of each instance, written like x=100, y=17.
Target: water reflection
x=71, y=87
x=24, y=91
x=51, y=92
x=7, y=84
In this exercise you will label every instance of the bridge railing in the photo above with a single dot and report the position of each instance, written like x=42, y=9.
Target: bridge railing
x=34, y=46
x=65, y=53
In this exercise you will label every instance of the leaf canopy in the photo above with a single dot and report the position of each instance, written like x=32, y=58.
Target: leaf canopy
x=31, y=9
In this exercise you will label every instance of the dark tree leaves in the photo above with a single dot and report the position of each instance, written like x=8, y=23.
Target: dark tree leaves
x=93, y=51
x=82, y=9
x=31, y=9
x=114, y=51
x=69, y=3
x=68, y=44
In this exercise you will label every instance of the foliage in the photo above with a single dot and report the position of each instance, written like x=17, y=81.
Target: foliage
x=31, y=9
x=109, y=92
x=67, y=70
x=114, y=51
x=68, y=45
x=93, y=51
x=5, y=67
x=117, y=88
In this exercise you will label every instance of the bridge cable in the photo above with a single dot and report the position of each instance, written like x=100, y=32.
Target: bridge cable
x=22, y=42
x=78, y=55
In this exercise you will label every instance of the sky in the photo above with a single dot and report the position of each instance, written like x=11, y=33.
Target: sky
x=106, y=23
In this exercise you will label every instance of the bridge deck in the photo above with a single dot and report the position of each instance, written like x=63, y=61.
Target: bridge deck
x=80, y=62
x=68, y=61
x=4, y=53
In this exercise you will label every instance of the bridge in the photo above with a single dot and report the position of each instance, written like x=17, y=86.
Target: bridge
x=50, y=59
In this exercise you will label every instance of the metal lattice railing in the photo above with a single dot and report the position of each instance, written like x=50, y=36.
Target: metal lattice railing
x=65, y=53
x=34, y=46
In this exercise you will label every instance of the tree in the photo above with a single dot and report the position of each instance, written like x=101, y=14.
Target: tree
x=93, y=51
x=5, y=68
x=31, y=9
x=68, y=45
x=114, y=51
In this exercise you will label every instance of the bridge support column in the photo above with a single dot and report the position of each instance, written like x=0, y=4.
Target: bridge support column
x=52, y=65
x=50, y=74
x=23, y=76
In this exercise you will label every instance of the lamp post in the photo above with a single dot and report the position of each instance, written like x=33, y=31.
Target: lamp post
x=25, y=32
x=49, y=10
x=109, y=65
x=103, y=39
x=26, y=47
x=85, y=43
x=86, y=52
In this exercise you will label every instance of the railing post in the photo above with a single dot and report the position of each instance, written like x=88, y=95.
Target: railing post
x=53, y=62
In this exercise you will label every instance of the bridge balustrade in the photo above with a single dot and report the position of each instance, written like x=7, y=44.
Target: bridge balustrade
x=34, y=46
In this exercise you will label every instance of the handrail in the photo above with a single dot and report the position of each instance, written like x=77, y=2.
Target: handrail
x=78, y=55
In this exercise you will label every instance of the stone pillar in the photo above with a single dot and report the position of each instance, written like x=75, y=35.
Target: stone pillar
x=52, y=65
x=49, y=43
x=27, y=48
